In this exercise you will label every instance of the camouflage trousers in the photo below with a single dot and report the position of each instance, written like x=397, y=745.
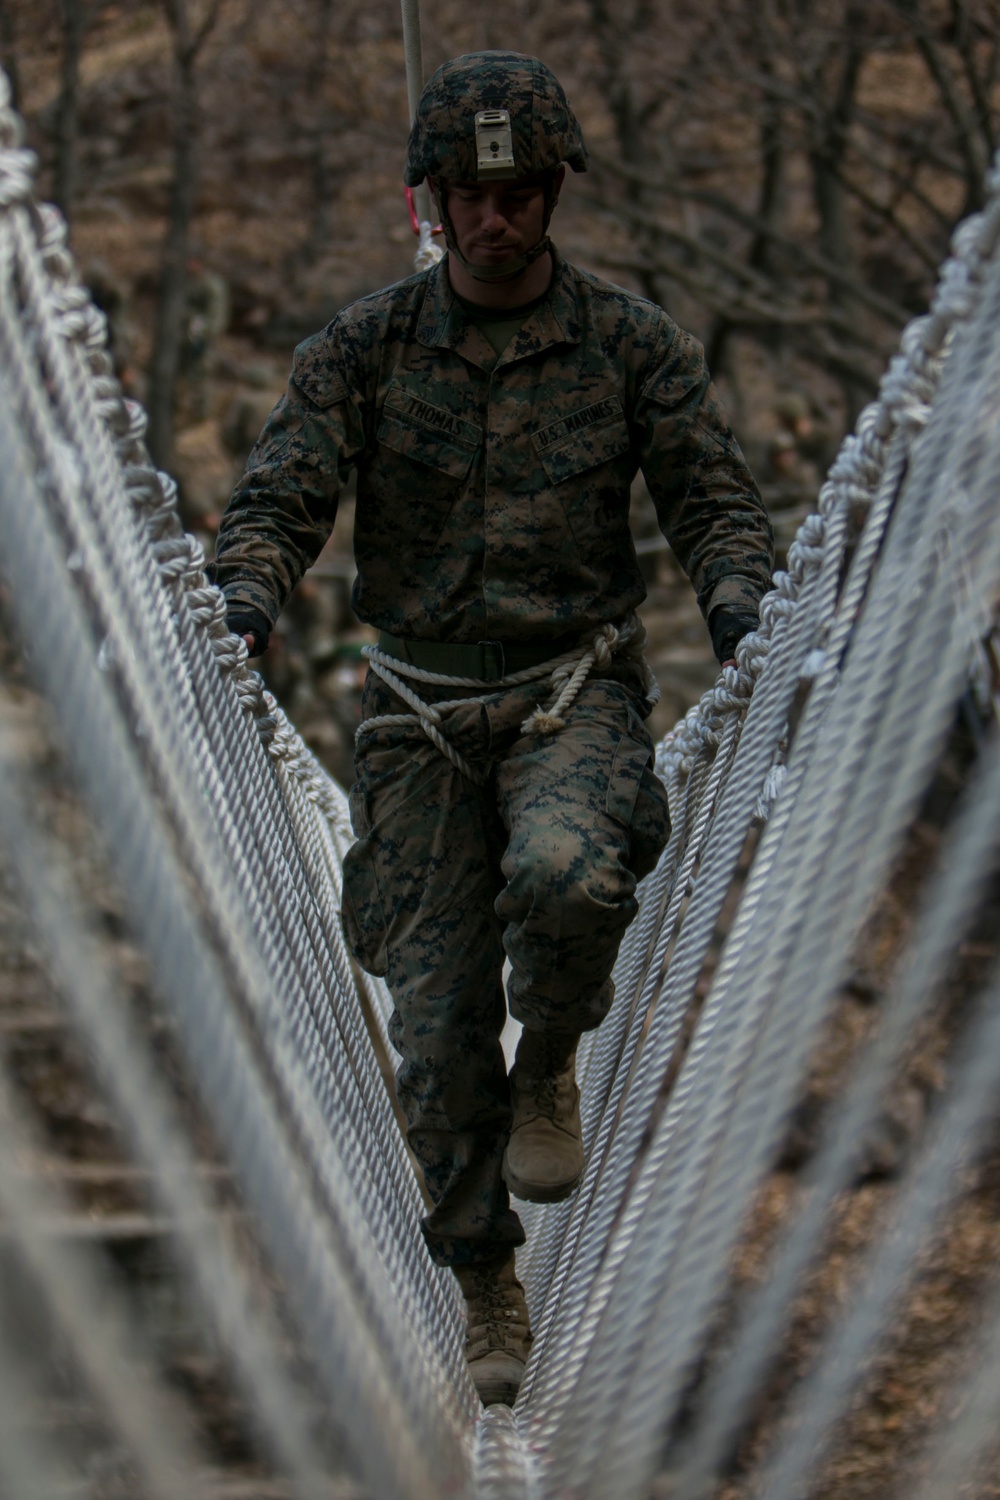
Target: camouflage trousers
x=446, y=878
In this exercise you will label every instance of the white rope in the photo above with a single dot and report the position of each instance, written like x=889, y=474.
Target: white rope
x=81, y=1294
x=231, y=859
x=182, y=745
x=429, y=251
x=333, y=1079
x=945, y=911
x=565, y=1349
x=706, y=1089
x=566, y=673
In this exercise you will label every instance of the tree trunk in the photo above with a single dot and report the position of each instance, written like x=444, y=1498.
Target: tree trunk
x=324, y=171
x=169, y=327
x=8, y=42
x=75, y=18
x=770, y=207
x=973, y=144
x=324, y=128
x=619, y=87
x=826, y=160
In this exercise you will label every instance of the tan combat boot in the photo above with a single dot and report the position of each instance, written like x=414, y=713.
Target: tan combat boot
x=497, y=1336
x=544, y=1158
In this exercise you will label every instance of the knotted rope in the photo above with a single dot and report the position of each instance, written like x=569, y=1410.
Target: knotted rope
x=566, y=673
x=629, y=639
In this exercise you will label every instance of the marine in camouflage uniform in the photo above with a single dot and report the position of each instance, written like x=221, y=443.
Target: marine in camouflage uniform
x=492, y=535
x=493, y=492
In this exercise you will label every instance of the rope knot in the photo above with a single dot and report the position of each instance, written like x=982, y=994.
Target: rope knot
x=604, y=644
x=566, y=675
x=568, y=678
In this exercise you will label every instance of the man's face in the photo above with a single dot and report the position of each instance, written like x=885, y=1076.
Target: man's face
x=496, y=222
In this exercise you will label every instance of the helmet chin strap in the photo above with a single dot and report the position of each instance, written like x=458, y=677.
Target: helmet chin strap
x=508, y=271
x=511, y=268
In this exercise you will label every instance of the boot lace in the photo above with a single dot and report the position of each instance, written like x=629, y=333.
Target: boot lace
x=497, y=1312
x=552, y=1092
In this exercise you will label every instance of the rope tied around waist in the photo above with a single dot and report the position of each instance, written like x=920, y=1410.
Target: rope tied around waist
x=566, y=674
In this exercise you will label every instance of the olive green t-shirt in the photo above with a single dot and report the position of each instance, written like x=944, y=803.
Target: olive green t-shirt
x=499, y=324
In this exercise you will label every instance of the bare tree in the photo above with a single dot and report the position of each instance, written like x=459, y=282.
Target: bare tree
x=780, y=173
x=189, y=32
x=75, y=17
x=965, y=78
x=776, y=181
x=322, y=125
x=9, y=59
x=618, y=32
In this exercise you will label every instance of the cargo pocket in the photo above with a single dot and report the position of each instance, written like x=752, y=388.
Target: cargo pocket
x=637, y=799
x=361, y=912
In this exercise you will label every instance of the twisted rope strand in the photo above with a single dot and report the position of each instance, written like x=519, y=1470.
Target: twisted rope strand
x=566, y=673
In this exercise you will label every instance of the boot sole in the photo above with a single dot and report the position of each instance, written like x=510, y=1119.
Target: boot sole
x=538, y=1192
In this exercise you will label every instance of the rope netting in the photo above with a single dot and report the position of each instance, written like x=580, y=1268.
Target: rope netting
x=793, y=786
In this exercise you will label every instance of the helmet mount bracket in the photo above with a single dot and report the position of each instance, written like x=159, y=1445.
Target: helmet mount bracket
x=494, y=145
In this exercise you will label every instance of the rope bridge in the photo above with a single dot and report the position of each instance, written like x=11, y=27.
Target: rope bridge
x=793, y=785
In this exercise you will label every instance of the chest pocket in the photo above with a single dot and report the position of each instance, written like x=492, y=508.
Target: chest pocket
x=583, y=440
x=428, y=434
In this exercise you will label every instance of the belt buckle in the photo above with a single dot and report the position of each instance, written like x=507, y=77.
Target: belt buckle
x=493, y=663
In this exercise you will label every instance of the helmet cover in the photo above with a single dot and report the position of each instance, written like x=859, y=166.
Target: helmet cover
x=544, y=131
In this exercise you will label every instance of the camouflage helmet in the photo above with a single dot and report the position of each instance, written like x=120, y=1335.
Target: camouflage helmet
x=490, y=116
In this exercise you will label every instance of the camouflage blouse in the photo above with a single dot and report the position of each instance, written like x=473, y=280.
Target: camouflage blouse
x=493, y=493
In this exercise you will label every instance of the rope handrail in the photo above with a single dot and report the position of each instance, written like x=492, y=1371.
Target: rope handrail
x=229, y=836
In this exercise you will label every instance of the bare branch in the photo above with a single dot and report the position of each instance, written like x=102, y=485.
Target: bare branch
x=969, y=142
x=813, y=331
x=165, y=360
x=979, y=86
x=75, y=17
x=207, y=26
x=919, y=152
x=762, y=304
x=672, y=187
x=10, y=58
x=188, y=37
x=914, y=241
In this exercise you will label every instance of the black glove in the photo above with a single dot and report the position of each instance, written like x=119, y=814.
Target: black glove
x=243, y=619
x=727, y=627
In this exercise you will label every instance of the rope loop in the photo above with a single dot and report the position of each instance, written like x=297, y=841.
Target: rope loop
x=17, y=175
x=566, y=675
x=173, y=556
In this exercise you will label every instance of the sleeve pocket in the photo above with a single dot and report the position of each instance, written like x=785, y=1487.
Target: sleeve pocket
x=322, y=388
x=284, y=423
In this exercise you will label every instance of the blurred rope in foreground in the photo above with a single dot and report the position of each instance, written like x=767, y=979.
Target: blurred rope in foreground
x=793, y=785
